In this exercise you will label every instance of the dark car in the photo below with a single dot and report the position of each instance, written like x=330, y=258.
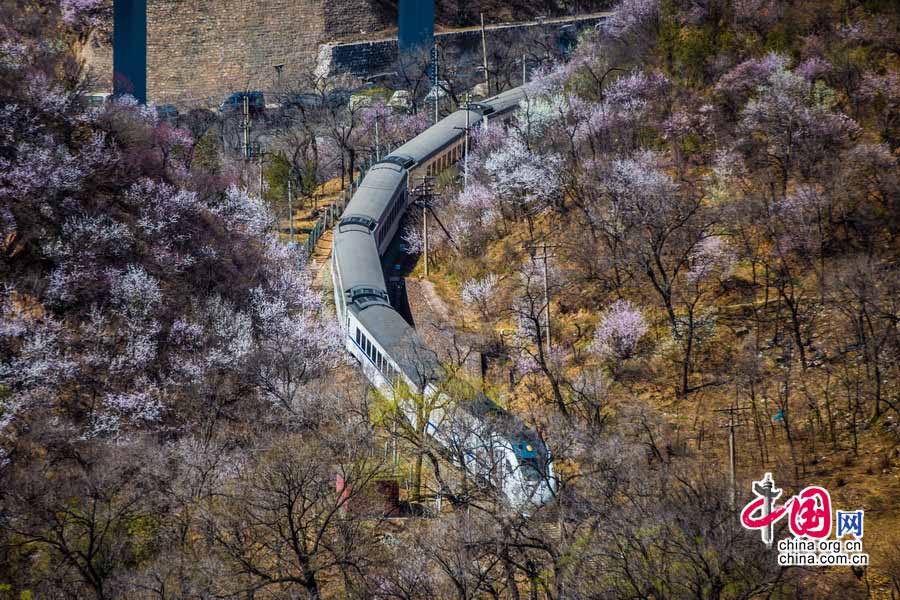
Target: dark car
x=303, y=100
x=166, y=112
x=235, y=102
x=309, y=100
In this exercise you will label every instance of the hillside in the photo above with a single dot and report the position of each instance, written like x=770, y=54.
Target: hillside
x=717, y=189
x=677, y=257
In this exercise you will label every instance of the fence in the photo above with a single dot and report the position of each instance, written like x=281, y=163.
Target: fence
x=332, y=212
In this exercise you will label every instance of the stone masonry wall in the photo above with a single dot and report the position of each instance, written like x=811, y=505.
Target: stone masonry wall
x=371, y=57
x=199, y=51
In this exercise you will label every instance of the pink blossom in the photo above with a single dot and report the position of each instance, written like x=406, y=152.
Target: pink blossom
x=712, y=256
x=414, y=240
x=641, y=190
x=798, y=214
x=244, y=212
x=75, y=10
x=547, y=80
x=885, y=87
x=813, y=68
x=479, y=292
x=740, y=82
x=518, y=173
x=629, y=16
x=134, y=292
x=637, y=84
x=621, y=328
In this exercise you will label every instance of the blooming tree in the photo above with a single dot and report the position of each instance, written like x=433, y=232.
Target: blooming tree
x=620, y=330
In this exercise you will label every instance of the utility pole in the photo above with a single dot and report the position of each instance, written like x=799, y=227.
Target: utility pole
x=291, y=209
x=424, y=192
x=261, y=155
x=524, y=73
x=425, y=236
x=487, y=79
x=732, y=424
x=546, y=258
x=245, y=125
x=377, y=144
x=466, y=150
x=547, y=299
x=435, y=62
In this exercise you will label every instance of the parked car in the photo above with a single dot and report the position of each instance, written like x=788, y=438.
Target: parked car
x=302, y=100
x=166, y=112
x=310, y=100
x=96, y=99
x=235, y=102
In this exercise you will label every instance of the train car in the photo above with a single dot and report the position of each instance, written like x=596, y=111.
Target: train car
x=488, y=442
x=443, y=144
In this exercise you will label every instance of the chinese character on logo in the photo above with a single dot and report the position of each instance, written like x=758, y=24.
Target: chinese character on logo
x=764, y=505
x=850, y=521
x=811, y=513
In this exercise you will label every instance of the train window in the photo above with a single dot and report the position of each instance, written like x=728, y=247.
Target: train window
x=358, y=333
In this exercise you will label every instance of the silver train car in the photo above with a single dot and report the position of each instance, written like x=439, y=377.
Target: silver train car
x=479, y=436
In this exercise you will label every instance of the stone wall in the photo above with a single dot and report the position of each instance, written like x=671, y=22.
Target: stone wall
x=199, y=51
x=365, y=58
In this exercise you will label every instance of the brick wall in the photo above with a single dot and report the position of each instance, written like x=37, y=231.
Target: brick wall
x=371, y=57
x=198, y=51
x=97, y=55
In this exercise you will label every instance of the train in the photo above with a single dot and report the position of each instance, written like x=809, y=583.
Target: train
x=488, y=442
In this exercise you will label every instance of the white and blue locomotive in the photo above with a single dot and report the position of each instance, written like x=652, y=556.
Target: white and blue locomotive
x=490, y=443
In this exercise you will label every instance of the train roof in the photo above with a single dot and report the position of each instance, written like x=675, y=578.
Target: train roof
x=507, y=100
x=401, y=342
x=429, y=142
x=435, y=138
x=376, y=190
x=503, y=421
x=357, y=257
